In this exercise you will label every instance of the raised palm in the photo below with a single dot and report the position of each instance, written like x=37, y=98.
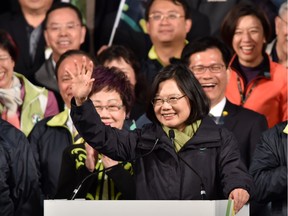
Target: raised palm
x=81, y=80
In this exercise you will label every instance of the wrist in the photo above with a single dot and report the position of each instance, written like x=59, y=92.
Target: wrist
x=80, y=100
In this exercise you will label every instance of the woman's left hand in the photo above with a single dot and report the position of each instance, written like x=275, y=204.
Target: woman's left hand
x=240, y=197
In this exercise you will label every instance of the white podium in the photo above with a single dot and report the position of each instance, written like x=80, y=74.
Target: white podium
x=140, y=208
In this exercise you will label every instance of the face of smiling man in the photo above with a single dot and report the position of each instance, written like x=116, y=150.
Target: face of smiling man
x=167, y=30
x=214, y=84
x=63, y=31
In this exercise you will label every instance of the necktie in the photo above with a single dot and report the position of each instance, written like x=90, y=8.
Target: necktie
x=217, y=119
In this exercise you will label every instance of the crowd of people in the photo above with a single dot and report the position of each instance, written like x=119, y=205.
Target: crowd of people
x=200, y=113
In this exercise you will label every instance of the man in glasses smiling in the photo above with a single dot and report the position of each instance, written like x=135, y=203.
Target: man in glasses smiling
x=168, y=22
x=208, y=59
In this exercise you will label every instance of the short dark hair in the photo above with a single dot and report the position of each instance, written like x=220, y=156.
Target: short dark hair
x=116, y=52
x=230, y=21
x=188, y=84
x=7, y=43
x=60, y=5
x=113, y=79
x=183, y=3
x=202, y=44
x=72, y=53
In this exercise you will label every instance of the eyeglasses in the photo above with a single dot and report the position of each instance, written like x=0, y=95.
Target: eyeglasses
x=170, y=100
x=170, y=16
x=109, y=108
x=70, y=27
x=214, y=68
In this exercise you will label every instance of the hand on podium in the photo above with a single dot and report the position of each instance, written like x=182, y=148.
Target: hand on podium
x=240, y=197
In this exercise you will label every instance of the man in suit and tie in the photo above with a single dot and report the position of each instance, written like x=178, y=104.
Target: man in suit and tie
x=208, y=59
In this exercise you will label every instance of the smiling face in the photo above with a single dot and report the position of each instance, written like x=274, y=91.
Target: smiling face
x=214, y=84
x=248, y=41
x=125, y=67
x=63, y=31
x=175, y=115
x=6, y=69
x=112, y=99
x=167, y=30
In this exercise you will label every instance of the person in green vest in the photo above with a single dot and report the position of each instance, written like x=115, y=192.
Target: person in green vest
x=21, y=103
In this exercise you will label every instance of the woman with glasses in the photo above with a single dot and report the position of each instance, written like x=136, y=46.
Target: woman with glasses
x=100, y=177
x=256, y=82
x=182, y=155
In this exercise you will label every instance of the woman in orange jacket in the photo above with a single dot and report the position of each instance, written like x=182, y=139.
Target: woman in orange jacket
x=256, y=82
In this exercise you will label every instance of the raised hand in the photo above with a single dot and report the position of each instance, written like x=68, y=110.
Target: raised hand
x=81, y=80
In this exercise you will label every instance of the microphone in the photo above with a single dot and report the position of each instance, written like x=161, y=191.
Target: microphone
x=172, y=135
x=76, y=190
x=202, y=187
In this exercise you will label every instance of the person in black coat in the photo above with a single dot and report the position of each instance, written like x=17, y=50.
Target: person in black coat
x=182, y=155
x=52, y=135
x=19, y=185
x=208, y=59
x=269, y=169
x=100, y=177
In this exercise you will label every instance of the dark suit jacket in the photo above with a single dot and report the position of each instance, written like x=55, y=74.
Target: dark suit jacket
x=16, y=25
x=247, y=126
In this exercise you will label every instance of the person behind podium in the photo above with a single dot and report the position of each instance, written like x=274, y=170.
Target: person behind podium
x=182, y=154
x=102, y=178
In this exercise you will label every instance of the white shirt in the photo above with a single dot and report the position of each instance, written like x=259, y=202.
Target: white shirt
x=217, y=110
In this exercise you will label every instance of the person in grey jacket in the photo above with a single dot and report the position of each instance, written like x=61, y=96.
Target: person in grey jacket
x=182, y=155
